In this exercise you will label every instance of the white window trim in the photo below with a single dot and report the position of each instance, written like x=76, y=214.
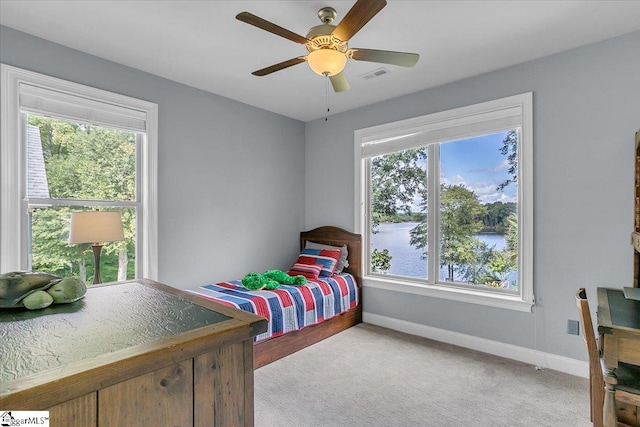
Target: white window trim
x=439, y=127
x=13, y=161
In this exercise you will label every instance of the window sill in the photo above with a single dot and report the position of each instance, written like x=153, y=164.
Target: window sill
x=508, y=302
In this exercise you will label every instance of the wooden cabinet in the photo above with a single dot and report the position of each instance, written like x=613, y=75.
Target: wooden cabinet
x=131, y=353
x=78, y=412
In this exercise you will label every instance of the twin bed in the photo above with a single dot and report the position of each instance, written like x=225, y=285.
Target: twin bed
x=301, y=315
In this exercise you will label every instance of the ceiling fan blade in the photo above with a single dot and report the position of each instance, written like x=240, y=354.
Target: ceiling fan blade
x=359, y=14
x=280, y=66
x=256, y=21
x=339, y=82
x=384, y=56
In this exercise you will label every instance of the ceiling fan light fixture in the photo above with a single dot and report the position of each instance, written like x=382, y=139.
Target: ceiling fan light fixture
x=326, y=62
x=328, y=44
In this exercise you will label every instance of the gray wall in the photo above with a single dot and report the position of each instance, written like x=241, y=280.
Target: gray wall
x=586, y=111
x=231, y=176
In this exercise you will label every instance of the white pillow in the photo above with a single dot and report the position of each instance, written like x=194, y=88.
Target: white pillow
x=342, y=262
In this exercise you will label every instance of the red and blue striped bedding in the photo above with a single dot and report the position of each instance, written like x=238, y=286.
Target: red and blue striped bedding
x=288, y=308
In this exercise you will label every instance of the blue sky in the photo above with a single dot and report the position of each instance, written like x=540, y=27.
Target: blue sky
x=478, y=164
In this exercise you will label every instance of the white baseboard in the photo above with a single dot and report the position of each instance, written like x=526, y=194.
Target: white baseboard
x=534, y=357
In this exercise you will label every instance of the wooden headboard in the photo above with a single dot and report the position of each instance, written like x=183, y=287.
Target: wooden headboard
x=336, y=236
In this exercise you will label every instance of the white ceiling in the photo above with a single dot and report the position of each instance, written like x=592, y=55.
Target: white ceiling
x=201, y=44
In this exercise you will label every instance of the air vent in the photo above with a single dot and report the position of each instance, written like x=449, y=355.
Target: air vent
x=377, y=73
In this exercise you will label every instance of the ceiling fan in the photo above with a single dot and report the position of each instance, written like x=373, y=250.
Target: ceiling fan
x=327, y=44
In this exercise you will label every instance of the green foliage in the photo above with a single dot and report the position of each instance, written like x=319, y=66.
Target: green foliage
x=495, y=220
x=398, y=180
x=88, y=163
x=380, y=260
x=502, y=263
x=49, y=251
x=510, y=149
x=512, y=232
x=476, y=266
x=395, y=179
x=498, y=268
x=460, y=213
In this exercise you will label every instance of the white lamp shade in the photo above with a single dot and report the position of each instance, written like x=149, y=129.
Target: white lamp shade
x=96, y=227
x=326, y=61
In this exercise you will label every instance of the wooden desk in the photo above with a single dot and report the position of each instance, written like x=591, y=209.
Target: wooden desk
x=134, y=353
x=619, y=329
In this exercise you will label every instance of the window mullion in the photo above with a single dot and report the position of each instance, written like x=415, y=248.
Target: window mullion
x=433, y=213
x=366, y=212
x=38, y=202
x=25, y=220
x=139, y=185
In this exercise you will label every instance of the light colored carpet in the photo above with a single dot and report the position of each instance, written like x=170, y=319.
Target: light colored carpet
x=372, y=376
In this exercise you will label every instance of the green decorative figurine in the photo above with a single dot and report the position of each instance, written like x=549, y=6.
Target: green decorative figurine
x=271, y=279
x=35, y=289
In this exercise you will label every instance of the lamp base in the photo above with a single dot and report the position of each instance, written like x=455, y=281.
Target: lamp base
x=96, y=263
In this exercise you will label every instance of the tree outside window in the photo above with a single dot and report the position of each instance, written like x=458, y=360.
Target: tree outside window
x=477, y=229
x=66, y=147
x=85, y=167
x=445, y=203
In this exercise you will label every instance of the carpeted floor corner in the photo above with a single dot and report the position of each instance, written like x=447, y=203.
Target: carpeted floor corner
x=371, y=376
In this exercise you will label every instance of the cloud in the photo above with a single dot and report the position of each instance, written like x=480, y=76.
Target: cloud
x=497, y=197
x=487, y=192
x=454, y=180
x=503, y=166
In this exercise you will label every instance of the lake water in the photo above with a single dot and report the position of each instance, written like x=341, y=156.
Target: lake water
x=405, y=258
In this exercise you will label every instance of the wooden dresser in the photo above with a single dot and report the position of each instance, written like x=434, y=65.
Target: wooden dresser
x=134, y=353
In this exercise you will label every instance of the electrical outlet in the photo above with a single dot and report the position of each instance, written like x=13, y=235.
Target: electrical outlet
x=573, y=327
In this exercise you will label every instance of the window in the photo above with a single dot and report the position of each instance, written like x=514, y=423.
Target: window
x=67, y=147
x=445, y=203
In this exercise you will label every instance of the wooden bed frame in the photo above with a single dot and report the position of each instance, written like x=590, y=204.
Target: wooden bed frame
x=272, y=349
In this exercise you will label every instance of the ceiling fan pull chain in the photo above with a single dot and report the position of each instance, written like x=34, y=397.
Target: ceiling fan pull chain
x=326, y=90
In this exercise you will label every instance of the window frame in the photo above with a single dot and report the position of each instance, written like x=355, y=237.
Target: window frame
x=428, y=131
x=13, y=160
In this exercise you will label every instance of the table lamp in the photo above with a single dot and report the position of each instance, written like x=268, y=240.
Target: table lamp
x=96, y=227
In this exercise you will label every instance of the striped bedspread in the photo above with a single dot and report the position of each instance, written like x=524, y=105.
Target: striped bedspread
x=287, y=308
